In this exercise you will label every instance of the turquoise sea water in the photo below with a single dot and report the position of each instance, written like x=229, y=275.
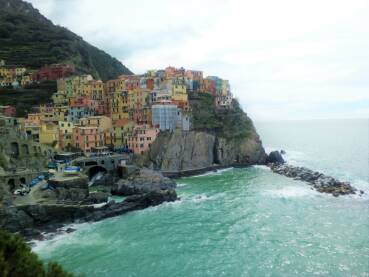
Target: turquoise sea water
x=242, y=222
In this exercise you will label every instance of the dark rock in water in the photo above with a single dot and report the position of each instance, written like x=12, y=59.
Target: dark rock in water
x=275, y=157
x=319, y=181
x=283, y=152
x=145, y=181
x=70, y=230
x=132, y=203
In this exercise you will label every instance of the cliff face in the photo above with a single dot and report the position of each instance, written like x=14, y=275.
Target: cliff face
x=231, y=141
x=195, y=150
x=28, y=38
x=179, y=151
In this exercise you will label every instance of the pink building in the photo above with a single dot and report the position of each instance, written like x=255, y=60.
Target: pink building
x=78, y=102
x=86, y=138
x=194, y=75
x=141, y=138
x=132, y=82
x=8, y=111
x=99, y=107
x=53, y=72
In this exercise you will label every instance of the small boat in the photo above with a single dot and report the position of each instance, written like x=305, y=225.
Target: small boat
x=72, y=170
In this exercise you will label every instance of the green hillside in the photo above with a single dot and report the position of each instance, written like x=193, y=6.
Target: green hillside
x=28, y=38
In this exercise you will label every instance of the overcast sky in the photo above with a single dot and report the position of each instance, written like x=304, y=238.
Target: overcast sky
x=285, y=59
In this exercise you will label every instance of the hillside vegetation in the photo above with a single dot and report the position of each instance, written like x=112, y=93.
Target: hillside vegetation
x=227, y=123
x=17, y=260
x=23, y=99
x=28, y=38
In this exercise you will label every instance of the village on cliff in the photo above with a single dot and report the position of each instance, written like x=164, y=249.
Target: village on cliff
x=125, y=114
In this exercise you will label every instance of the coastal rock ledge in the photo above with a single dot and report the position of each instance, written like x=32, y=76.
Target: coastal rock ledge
x=319, y=181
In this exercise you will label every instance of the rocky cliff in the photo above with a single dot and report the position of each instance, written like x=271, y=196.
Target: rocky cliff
x=219, y=138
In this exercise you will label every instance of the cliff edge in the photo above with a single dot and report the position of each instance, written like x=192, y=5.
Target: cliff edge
x=218, y=138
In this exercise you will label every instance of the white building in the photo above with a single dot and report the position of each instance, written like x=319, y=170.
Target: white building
x=167, y=116
x=164, y=116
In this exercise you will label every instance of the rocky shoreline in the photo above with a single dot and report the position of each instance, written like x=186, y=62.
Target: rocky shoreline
x=143, y=189
x=319, y=181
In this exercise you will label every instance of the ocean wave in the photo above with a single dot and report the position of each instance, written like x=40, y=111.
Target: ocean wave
x=181, y=185
x=53, y=240
x=263, y=167
x=291, y=192
x=215, y=172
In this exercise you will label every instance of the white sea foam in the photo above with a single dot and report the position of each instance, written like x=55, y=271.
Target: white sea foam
x=263, y=167
x=293, y=157
x=180, y=185
x=291, y=192
x=215, y=172
x=53, y=240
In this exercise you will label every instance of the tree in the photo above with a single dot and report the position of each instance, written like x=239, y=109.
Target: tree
x=17, y=260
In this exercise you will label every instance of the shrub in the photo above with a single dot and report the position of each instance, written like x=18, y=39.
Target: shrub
x=17, y=260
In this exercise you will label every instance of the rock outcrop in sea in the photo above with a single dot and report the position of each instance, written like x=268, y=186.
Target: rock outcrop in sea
x=319, y=181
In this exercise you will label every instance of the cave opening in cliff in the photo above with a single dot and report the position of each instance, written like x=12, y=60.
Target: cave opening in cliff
x=95, y=170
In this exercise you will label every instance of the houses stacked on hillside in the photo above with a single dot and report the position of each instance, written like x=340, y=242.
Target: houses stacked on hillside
x=125, y=114
x=14, y=76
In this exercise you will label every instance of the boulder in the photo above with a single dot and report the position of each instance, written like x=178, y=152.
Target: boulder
x=96, y=197
x=144, y=181
x=275, y=157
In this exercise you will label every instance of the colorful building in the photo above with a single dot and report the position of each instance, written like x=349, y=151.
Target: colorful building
x=87, y=137
x=141, y=138
x=8, y=111
x=49, y=134
x=164, y=116
x=102, y=122
x=65, y=135
x=53, y=72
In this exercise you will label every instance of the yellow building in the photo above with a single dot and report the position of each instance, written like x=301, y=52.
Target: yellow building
x=119, y=105
x=26, y=80
x=94, y=90
x=7, y=72
x=226, y=89
x=101, y=121
x=60, y=113
x=65, y=134
x=47, y=113
x=137, y=98
x=119, y=130
x=19, y=71
x=59, y=98
x=179, y=92
x=49, y=134
x=127, y=132
x=151, y=73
